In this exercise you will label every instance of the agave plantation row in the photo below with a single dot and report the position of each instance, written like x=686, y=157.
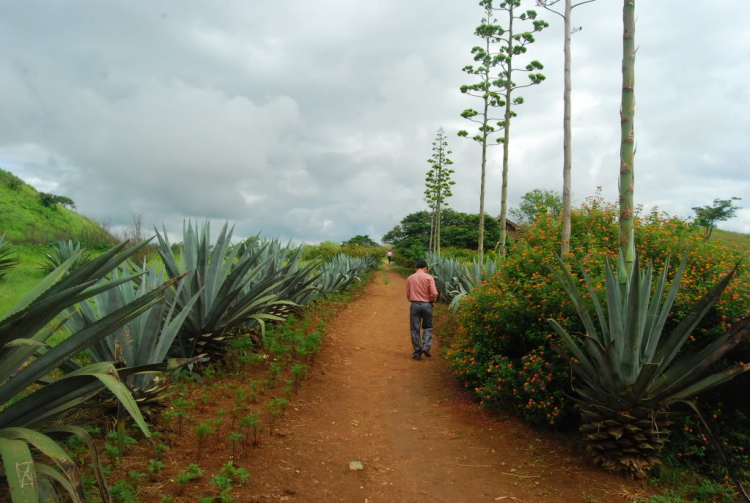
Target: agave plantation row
x=128, y=323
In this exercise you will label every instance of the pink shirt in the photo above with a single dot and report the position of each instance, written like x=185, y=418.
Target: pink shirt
x=420, y=287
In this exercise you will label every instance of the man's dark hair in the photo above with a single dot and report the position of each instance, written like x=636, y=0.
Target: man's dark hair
x=421, y=263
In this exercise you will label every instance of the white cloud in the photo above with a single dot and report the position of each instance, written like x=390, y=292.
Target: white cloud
x=313, y=121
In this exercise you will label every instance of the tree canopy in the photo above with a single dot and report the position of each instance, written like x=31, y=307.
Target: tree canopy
x=720, y=211
x=536, y=202
x=361, y=241
x=50, y=200
x=459, y=230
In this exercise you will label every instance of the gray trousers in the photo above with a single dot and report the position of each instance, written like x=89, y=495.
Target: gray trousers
x=420, y=313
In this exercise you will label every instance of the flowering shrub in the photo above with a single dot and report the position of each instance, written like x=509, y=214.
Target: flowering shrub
x=501, y=346
x=691, y=445
x=535, y=383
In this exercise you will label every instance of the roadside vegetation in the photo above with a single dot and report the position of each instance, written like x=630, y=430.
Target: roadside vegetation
x=93, y=339
x=502, y=349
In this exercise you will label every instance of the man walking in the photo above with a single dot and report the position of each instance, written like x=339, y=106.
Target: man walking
x=421, y=292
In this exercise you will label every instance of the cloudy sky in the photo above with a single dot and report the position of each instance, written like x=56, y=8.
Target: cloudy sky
x=314, y=120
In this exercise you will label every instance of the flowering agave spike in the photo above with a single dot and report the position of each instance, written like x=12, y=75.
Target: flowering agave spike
x=628, y=368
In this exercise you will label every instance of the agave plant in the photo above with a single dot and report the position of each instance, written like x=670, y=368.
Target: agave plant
x=629, y=367
x=140, y=346
x=61, y=252
x=26, y=372
x=341, y=271
x=455, y=279
x=229, y=292
x=296, y=281
x=6, y=261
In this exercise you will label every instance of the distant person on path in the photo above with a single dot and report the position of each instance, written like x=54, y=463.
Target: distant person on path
x=390, y=255
x=421, y=292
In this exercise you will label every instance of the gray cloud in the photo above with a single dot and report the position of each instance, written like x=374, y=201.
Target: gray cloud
x=313, y=121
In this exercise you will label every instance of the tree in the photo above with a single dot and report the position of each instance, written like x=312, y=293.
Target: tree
x=490, y=34
x=49, y=200
x=708, y=216
x=567, y=136
x=410, y=238
x=513, y=44
x=360, y=241
x=536, y=202
x=626, y=256
x=438, y=184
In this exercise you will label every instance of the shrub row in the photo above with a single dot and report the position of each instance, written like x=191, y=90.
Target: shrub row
x=501, y=345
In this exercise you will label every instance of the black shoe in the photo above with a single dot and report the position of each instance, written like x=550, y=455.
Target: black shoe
x=417, y=357
x=426, y=352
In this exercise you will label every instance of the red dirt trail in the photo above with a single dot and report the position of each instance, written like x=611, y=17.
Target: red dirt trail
x=419, y=435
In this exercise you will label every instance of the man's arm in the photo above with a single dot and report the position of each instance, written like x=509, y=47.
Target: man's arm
x=407, y=289
x=433, y=290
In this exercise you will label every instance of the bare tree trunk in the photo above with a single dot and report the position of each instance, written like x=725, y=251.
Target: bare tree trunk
x=567, y=140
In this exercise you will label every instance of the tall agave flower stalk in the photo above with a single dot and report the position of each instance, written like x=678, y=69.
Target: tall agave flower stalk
x=627, y=146
x=629, y=368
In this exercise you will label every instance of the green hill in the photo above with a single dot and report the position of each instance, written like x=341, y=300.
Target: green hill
x=731, y=238
x=25, y=219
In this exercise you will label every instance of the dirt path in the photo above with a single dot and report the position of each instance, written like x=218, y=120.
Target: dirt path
x=418, y=435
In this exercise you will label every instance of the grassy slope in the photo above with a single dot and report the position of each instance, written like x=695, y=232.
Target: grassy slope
x=22, y=278
x=732, y=238
x=30, y=226
x=23, y=218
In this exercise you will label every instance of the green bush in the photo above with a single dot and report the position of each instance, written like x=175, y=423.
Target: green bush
x=360, y=251
x=410, y=239
x=463, y=254
x=690, y=444
x=328, y=249
x=323, y=251
x=501, y=345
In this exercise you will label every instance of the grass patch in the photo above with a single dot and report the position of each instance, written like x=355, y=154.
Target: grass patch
x=403, y=271
x=23, y=278
x=738, y=239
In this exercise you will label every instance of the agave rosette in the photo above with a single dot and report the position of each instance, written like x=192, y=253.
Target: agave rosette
x=61, y=252
x=7, y=262
x=629, y=366
x=139, y=348
x=226, y=279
